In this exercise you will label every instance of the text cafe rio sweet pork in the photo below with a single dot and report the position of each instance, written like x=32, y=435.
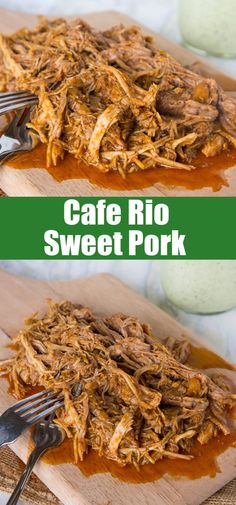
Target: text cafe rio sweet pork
x=96, y=216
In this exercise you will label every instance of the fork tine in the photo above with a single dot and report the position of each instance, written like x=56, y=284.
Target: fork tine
x=17, y=104
x=45, y=413
x=40, y=408
x=17, y=119
x=10, y=93
x=19, y=99
x=15, y=95
x=24, y=115
x=29, y=399
x=32, y=404
x=4, y=102
x=13, y=100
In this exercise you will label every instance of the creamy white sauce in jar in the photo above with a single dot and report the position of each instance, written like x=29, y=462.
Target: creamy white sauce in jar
x=209, y=26
x=200, y=286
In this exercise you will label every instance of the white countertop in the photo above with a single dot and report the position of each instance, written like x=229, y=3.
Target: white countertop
x=159, y=15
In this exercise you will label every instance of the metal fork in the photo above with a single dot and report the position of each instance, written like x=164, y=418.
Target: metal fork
x=17, y=137
x=16, y=100
x=46, y=435
x=25, y=413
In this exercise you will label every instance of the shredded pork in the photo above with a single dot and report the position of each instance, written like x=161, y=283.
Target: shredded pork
x=126, y=394
x=113, y=99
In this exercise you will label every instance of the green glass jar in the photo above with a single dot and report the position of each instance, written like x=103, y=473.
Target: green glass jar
x=209, y=26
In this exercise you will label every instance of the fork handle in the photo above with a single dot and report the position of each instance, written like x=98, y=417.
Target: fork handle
x=34, y=457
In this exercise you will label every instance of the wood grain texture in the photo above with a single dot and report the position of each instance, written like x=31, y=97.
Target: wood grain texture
x=37, y=182
x=105, y=295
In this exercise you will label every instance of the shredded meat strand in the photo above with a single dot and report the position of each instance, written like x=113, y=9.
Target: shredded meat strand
x=126, y=395
x=113, y=99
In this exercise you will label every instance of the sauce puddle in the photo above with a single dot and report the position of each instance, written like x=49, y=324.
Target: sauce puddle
x=204, y=462
x=210, y=172
x=203, y=358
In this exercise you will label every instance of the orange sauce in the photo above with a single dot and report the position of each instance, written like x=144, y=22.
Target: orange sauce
x=12, y=346
x=204, y=462
x=203, y=358
x=29, y=392
x=209, y=172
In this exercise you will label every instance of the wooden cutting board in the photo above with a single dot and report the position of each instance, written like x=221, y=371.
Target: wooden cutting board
x=39, y=182
x=105, y=295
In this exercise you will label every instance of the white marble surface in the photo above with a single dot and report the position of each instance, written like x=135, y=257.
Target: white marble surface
x=162, y=16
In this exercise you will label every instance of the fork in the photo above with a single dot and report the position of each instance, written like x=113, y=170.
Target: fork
x=16, y=100
x=46, y=435
x=17, y=137
x=25, y=413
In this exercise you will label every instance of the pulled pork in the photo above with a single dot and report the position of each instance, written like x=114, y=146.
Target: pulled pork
x=113, y=99
x=125, y=393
